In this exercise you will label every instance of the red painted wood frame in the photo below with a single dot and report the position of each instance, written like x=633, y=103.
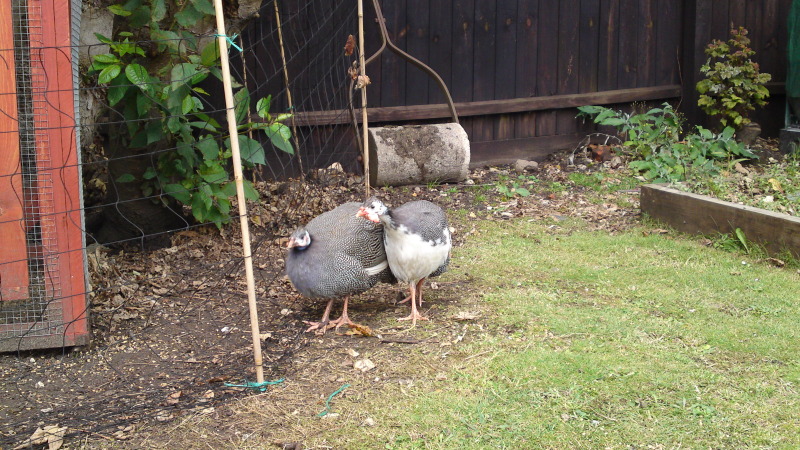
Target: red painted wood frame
x=13, y=263
x=59, y=196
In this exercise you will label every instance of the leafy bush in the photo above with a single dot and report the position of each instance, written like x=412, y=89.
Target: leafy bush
x=644, y=133
x=733, y=85
x=657, y=150
x=160, y=99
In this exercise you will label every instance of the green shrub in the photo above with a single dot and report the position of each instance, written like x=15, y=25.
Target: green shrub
x=160, y=100
x=733, y=85
x=657, y=151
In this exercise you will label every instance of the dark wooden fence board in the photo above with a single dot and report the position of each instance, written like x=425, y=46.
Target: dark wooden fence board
x=527, y=60
x=441, y=47
x=646, y=44
x=525, y=49
x=547, y=67
x=506, y=21
x=568, y=60
x=589, y=45
x=463, y=45
x=609, y=45
x=418, y=45
x=668, y=38
x=483, y=63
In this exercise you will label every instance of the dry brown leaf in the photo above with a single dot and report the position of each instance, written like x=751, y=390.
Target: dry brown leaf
x=364, y=365
x=358, y=329
x=350, y=46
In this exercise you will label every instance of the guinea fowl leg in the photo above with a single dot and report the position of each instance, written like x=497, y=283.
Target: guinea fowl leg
x=415, y=315
x=324, y=324
x=344, y=319
x=419, y=293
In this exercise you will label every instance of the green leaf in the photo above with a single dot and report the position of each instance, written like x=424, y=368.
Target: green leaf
x=229, y=189
x=125, y=178
x=149, y=174
x=187, y=105
x=250, y=150
x=199, y=206
x=154, y=131
x=204, y=6
x=280, y=135
x=182, y=74
x=138, y=75
x=103, y=39
x=262, y=107
x=242, y=104
x=250, y=192
x=109, y=73
x=139, y=140
x=174, y=124
x=208, y=148
x=224, y=206
x=213, y=173
x=189, y=16
x=116, y=90
x=166, y=39
x=210, y=54
x=106, y=58
x=119, y=10
x=203, y=125
x=179, y=193
x=143, y=104
x=159, y=10
x=522, y=191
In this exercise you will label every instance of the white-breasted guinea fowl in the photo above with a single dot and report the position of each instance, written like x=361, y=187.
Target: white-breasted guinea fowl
x=417, y=241
x=336, y=255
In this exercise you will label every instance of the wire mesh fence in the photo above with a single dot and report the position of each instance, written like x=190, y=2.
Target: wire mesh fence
x=119, y=304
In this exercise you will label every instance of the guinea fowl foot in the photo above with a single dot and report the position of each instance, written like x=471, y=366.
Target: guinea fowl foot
x=321, y=326
x=414, y=317
x=318, y=327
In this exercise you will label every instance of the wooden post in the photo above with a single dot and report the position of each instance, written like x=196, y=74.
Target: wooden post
x=362, y=72
x=222, y=41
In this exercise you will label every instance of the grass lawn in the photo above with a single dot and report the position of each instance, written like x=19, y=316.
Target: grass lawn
x=591, y=340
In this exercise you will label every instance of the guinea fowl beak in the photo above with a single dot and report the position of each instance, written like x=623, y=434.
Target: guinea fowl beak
x=362, y=212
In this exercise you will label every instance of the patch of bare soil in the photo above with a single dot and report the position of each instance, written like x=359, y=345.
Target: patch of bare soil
x=769, y=183
x=171, y=330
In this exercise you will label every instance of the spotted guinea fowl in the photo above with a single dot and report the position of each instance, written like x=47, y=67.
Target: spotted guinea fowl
x=417, y=241
x=336, y=255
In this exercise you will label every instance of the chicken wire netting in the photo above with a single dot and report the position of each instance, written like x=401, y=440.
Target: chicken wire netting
x=163, y=292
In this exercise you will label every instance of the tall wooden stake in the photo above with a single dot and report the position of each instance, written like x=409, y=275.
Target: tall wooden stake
x=222, y=41
x=363, y=72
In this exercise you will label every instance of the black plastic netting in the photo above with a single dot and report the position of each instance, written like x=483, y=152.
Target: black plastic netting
x=167, y=313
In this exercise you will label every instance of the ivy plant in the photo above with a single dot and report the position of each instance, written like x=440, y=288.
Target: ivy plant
x=161, y=100
x=733, y=84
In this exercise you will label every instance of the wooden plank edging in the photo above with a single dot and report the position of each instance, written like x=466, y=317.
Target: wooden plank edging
x=701, y=214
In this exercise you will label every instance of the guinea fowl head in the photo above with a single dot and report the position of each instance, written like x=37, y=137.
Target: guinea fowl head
x=372, y=209
x=299, y=240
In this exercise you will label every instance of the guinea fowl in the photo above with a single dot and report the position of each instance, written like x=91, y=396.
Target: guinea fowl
x=336, y=255
x=417, y=241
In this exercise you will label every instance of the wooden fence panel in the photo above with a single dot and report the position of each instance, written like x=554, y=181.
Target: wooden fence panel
x=495, y=51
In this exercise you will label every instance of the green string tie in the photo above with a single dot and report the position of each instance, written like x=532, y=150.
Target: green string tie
x=230, y=40
x=262, y=387
x=328, y=401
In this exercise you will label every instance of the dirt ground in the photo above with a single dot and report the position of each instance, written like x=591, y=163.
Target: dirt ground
x=171, y=330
